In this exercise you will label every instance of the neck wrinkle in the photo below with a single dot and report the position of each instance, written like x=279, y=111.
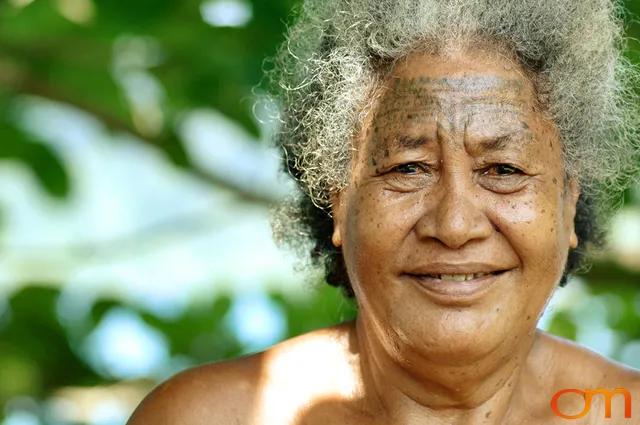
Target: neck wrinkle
x=392, y=387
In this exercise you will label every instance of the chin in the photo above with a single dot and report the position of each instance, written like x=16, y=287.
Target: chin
x=450, y=336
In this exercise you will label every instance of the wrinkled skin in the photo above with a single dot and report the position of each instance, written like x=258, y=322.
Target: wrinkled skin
x=456, y=164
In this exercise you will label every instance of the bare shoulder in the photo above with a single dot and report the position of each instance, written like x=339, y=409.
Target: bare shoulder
x=213, y=393
x=582, y=366
x=303, y=371
x=266, y=387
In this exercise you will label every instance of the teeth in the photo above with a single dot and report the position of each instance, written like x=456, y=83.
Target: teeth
x=459, y=277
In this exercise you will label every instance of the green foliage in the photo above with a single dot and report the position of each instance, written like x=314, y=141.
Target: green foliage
x=35, y=354
x=41, y=160
x=563, y=326
x=39, y=355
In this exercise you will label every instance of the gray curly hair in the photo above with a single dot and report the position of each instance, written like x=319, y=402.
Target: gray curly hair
x=339, y=51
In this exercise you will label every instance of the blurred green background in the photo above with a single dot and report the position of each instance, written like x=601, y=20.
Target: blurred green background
x=136, y=178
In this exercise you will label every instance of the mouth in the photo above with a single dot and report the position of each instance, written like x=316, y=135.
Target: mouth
x=458, y=277
x=461, y=289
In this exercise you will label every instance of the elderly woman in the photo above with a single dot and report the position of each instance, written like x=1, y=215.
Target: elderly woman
x=457, y=161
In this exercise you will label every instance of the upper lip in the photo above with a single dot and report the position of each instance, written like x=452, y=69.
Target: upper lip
x=457, y=268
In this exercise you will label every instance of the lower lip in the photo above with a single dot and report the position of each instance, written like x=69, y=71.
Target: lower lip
x=450, y=291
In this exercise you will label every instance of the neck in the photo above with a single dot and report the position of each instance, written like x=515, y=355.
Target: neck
x=413, y=386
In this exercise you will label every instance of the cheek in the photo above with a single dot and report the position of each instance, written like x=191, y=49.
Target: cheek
x=377, y=225
x=533, y=227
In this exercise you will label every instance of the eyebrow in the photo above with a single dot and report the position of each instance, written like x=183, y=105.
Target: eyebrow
x=500, y=143
x=410, y=142
x=504, y=142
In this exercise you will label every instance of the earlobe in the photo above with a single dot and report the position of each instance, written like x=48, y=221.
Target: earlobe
x=336, y=237
x=574, y=195
x=573, y=241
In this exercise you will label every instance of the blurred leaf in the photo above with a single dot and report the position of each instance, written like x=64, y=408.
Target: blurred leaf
x=44, y=162
x=326, y=308
x=562, y=326
x=175, y=150
x=33, y=23
x=138, y=15
x=199, y=333
x=35, y=343
x=101, y=308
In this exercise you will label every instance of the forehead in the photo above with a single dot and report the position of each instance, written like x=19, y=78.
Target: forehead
x=478, y=73
x=479, y=92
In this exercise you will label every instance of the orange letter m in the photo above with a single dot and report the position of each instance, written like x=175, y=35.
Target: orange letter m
x=608, y=395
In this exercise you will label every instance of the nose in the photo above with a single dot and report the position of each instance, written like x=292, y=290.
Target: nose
x=453, y=214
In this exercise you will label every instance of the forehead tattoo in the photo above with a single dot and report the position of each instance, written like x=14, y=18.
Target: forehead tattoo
x=452, y=103
x=477, y=83
x=418, y=96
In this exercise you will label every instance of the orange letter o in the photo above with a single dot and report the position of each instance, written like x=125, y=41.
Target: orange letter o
x=554, y=404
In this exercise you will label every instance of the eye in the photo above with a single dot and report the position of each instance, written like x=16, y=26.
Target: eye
x=410, y=168
x=503, y=170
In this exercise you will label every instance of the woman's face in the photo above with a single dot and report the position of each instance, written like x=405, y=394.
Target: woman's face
x=456, y=172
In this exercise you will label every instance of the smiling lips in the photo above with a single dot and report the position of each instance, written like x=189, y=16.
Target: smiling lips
x=459, y=277
x=456, y=272
x=457, y=284
x=448, y=291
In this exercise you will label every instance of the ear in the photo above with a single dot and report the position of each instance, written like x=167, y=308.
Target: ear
x=571, y=202
x=337, y=211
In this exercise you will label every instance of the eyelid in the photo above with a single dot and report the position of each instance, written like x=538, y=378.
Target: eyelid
x=422, y=165
x=518, y=170
x=426, y=168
